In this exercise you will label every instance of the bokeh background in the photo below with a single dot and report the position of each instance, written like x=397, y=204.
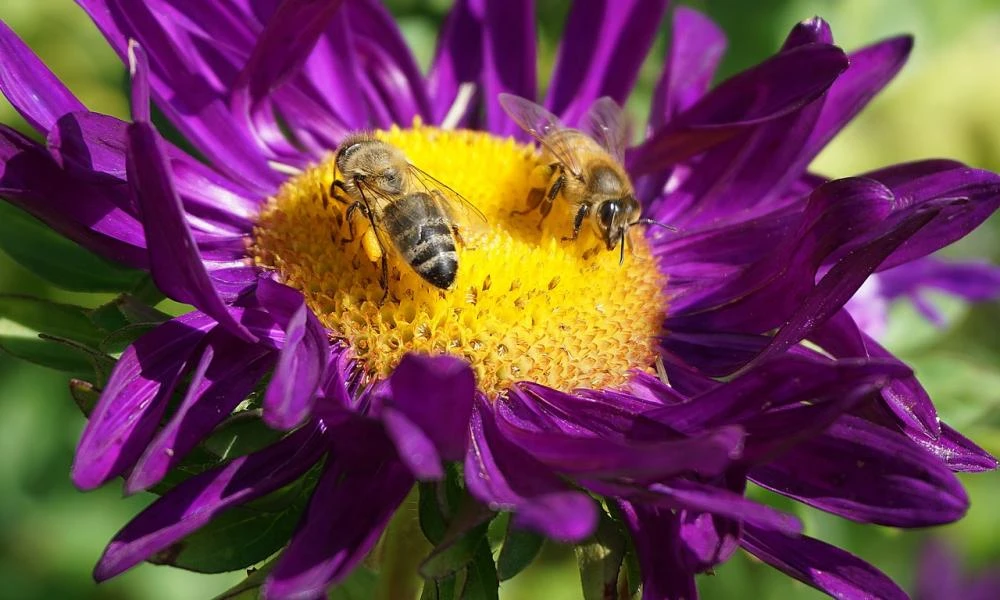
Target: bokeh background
x=946, y=103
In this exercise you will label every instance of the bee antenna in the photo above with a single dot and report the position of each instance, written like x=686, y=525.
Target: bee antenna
x=652, y=222
x=621, y=258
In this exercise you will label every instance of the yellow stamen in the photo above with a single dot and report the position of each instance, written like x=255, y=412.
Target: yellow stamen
x=525, y=305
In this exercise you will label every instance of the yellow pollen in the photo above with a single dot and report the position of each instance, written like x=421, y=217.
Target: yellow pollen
x=525, y=306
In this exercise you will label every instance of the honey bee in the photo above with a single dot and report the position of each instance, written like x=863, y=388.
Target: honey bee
x=407, y=209
x=584, y=167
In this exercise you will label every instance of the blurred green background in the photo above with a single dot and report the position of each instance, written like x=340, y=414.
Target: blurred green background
x=945, y=103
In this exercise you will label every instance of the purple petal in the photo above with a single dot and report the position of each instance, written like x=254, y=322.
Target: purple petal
x=429, y=406
x=284, y=45
x=458, y=58
x=809, y=31
x=361, y=487
x=34, y=91
x=820, y=565
x=957, y=451
x=292, y=392
x=87, y=214
x=868, y=474
x=508, y=57
x=504, y=477
x=227, y=373
x=194, y=502
x=602, y=48
x=129, y=411
x=777, y=87
x=656, y=535
x=89, y=146
x=976, y=281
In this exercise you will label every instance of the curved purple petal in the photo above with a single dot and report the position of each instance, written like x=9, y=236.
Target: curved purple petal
x=89, y=146
x=362, y=485
x=508, y=58
x=32, y=89
x=820, y=565
x=226, y=374
x=504, y=477
x=427, y=411
x=458, y=58
x=809, y=31
x=194, y=502
x=283, y=47
x=132, y=403
x=602, y=48
x=976, y=281
x=777, y=87
x=957, y=451
x=292, y=392
x=83, y=212
x=868, y=474
x=656, y=535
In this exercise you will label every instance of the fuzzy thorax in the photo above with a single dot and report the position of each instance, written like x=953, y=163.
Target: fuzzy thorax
x=525, y=305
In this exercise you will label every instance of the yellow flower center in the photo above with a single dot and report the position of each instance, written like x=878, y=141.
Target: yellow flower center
x=525, y=306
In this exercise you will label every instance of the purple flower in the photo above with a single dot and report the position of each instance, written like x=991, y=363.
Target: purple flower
x=542, y=387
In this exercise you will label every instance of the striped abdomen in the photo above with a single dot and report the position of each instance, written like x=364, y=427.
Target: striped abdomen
x=422, y=233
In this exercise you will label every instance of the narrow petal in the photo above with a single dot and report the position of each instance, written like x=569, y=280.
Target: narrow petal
x=284, y=45
x=228, y=371
x=868, y=474
x=809, y=31
x=362, y=485
x=777, y=87
x=957, y=451
x=820, y=565
x=32, y=89
x=508, y=57
x=458, y=58
x=126, y=417
x=194, y=502
x=602, y=48
x=502, y=476
x=656, y=535
x=90, y=146
x=975, y=281
x=430, y=404
x=292, y=392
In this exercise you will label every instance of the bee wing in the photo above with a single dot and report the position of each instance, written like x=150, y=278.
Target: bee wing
x=540, y=124
x=463, y=212
x=376, y=201
x=606, y=123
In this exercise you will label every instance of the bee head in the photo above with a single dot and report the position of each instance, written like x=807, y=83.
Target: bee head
x=614, y=217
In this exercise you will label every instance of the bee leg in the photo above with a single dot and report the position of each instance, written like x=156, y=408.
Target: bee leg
x=535, y=197
x=581, y=214
x=550, y=198
x=383, y=279
x=353, y=208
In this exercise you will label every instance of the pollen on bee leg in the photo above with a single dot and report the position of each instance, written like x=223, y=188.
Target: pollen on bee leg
x=524, y=304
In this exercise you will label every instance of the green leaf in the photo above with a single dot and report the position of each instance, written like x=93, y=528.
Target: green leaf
x=248, y=589
x=359, y=585
x=239, y=537
x=481, y=581
x=438, y=504
x=241, y=434
x=458, y=547
x=519, y=549
x=100, y=363
x=61, y=320
x=57, y=260
x=45, y=353
x=600, y=560
x=84, y=394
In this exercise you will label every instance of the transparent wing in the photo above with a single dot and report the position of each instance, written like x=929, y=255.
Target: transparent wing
x=606, y=123
x=463, y=212
x=376, y=201
x=541, y=125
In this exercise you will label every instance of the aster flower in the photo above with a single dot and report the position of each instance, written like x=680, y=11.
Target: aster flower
x=538, y=371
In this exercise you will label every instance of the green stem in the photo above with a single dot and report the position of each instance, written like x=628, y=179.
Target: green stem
x=400, y=553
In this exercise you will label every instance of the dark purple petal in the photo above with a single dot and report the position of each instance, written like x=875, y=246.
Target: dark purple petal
x=602, y=48
x=777, y=87
x=508, y=57
x=194, y=502
x=966, y=197
x=89, y=146
x=504, y=477
x=182, y=89
x=696, y=47
x=809, y=31
x=292, y=391
x=820, y=565
x=228, y=371
x=85, y=213
x=428, y=410
x=284, y=45
x=129, y=411
x=656, y=535
x=870, y=70
x=957, y=451
x=362, y=485
x=458, y=58
x=869, y=474
x=34, y=91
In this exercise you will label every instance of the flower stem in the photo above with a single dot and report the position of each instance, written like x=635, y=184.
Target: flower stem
x=402, y=550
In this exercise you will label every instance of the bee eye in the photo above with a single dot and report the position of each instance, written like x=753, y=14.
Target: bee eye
x=606, y=213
